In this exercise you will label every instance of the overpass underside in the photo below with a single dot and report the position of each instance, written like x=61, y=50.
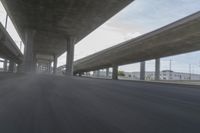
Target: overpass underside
x=50, y=28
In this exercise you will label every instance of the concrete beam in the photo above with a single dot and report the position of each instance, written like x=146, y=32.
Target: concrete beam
x=142, y=70
x=70, y=57
x=115, y=72
x=157, y=69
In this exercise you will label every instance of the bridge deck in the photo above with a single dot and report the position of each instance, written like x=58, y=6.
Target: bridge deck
x=52, y=104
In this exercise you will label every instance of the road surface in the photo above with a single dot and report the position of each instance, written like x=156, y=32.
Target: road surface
x=53, y=104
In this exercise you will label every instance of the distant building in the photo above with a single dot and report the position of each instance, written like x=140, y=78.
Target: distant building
x=164, y=75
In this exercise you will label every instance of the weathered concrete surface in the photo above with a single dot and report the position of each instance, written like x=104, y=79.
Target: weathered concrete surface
x=179, y=37
x=50, y=104
x=55, y=21
x=8, y=48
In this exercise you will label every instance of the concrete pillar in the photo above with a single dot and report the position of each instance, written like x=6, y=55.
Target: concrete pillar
x=98, y=73
x=142, y=70
x=70, y=57
x=5, y=65
x=115, y=72
x=157, y=69
x=87, y=74
x=80, y=74
x=34, y=63
x=19, y=68
x=15, y=67
x=11, y=66
x=107, y=72
x=54, y=64
x=49, y=67
x=37, y=68
x=29, y=64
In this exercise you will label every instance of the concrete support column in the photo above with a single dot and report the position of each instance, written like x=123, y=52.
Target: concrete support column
x=107, y=72
x=15, y=67
x=19, y=68
x=87, y=74
x=49, y=67
x=157, y=69
x=11, y=66
x=39, y=67
x=29, y=64
x=115, y=72
x=98, y=73
x=142, y=70
x=54, y=64
x=70, y=57
x=5, y=65
x=34, y=63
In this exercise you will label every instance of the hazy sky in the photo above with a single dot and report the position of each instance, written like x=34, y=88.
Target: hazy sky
x=142, y=16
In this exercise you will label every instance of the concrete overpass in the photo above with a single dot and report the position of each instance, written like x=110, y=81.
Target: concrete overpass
x=49, y=28
x=176, y=38
x=32, y=103
x=8, y=48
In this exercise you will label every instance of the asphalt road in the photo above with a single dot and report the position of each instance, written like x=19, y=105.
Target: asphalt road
x=53, y=104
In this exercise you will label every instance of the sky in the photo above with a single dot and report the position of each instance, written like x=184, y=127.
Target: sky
x=140, y=17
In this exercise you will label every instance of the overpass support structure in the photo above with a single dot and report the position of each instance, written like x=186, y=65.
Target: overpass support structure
x=107, y=72
x=29, y=64
x=11, y=66
x=115, y=72
x=55, y=64
x=142, y=70
x=5, y=65
x=70, y=57
x=157, y=69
